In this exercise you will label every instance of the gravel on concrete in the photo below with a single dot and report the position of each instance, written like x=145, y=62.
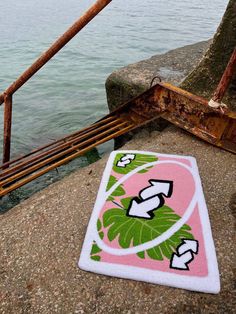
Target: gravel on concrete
x=41, y=241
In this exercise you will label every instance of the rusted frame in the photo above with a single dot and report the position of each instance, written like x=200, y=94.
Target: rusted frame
x=183, y=109
x=6, y=96
x=23, y=181
x=76, y=142
x=193, y=114
x=93, y=139
x=187, y=111
x=226, y=79
x=57, y=142
x=7, y=128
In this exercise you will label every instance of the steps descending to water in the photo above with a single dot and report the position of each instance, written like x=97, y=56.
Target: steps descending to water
x=25, y=169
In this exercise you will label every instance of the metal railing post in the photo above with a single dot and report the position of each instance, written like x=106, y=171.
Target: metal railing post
x=7, y=128
x=226, y=79
x=6, y=97
x=97, y=7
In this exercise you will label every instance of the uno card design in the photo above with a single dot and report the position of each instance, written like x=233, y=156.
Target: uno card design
x=150, y=223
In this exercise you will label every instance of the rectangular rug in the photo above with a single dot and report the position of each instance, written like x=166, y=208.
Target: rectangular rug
x=150, y=223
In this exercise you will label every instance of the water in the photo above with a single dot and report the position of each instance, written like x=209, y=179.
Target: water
x=69, y=92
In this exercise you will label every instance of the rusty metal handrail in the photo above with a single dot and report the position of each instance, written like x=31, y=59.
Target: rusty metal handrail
x=225, y=79
x=185, y=110
x=6, y=96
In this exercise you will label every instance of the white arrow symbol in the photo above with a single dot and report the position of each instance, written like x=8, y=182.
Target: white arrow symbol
x=128, y=156
x=125, y=160
x=181, y=262
x=188, y=245
x=142, y=209
x=157, y=187
x=123, y=163
x=151, y=199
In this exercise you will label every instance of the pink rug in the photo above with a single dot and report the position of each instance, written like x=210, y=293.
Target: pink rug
x=150, y=223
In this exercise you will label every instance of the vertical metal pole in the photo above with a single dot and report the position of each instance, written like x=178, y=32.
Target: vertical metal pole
x=7, y=128
x=226, y=79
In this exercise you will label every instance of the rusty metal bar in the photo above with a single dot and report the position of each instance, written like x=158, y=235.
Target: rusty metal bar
x=7, y=128
x=46, y=154
x=181, y=108
x=226, y=79
x=63, y=140
x=41, y=164
x=98, y=6
x=61, y=162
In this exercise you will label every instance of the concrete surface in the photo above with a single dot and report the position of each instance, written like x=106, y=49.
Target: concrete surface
x=41, y=241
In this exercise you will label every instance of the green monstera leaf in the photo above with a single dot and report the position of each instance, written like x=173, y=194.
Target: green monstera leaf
x=139, y=160
x=94, y=254
x=131, y=231
x=118, y=192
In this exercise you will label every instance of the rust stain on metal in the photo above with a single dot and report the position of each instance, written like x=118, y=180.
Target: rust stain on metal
x=226, y=79
x=7, y=128
x=181, y=108
x=192, y=113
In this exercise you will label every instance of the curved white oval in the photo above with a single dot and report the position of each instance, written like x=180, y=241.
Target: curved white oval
x=164, y=236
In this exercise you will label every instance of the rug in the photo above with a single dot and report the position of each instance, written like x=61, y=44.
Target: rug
x=150, y=223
